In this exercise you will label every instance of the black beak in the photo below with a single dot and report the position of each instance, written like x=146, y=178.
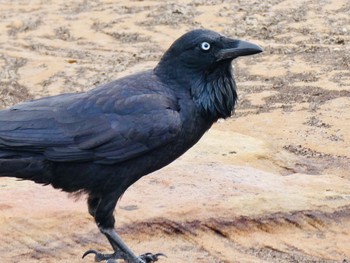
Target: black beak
x=237, y=48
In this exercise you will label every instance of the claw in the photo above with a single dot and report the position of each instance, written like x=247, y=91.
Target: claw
x=99, y=256
x=149, y=257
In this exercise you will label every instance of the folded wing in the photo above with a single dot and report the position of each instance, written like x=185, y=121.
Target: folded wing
x=94, y=127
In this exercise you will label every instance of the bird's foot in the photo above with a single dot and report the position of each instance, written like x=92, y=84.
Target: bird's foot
x=150, y=258
x=112, y=258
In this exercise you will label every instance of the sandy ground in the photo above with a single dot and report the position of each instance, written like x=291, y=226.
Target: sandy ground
x=270, y=184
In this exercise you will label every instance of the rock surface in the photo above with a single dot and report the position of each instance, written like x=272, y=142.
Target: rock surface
x=270, y=184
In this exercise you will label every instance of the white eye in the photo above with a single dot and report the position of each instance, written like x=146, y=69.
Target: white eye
x=205, y=46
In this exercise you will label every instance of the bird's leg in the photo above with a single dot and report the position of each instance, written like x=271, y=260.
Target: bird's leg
x=93, y=204
x=115, y=240
x=102, y=209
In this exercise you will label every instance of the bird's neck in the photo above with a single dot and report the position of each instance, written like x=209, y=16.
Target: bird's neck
x=215, y=92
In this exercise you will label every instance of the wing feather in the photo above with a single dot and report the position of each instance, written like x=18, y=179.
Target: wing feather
x=90, y=127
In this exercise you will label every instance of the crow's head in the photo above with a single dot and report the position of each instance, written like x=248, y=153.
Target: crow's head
x=200, y=60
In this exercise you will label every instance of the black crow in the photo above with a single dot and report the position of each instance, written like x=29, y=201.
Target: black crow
x=102, y=141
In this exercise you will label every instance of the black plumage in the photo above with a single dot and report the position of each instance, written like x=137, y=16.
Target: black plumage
x=102, y=141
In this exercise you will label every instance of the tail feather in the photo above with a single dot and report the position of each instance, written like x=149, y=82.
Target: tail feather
x=26, y=169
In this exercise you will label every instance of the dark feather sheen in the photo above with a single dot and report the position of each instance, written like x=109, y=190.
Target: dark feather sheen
x=215, y=91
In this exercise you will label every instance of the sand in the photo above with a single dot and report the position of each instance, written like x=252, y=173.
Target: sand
x=270, y=184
